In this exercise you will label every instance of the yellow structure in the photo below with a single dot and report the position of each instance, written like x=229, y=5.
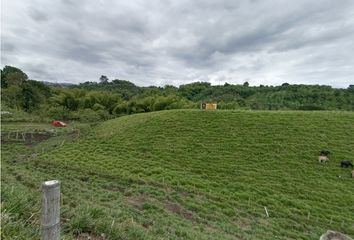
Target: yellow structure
x=209, y=106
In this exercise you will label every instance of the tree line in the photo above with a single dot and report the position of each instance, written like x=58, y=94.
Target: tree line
x=94, y=101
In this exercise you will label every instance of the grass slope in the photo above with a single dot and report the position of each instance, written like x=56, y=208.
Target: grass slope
x=190, y=174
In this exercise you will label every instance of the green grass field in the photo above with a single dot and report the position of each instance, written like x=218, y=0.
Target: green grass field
x=189, y=174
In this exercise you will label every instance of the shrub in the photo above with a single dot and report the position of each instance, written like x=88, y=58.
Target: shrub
x=97, y=107
x=58, y=112
x=310, y=107
x=87, y=115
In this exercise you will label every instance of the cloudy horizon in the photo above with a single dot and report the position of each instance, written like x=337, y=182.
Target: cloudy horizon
x=177, y=42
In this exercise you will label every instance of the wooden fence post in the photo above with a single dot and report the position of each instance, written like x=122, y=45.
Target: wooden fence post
x=50, y=224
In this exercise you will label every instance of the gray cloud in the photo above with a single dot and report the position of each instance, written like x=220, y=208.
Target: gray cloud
x=174, y=42
x=38, y=15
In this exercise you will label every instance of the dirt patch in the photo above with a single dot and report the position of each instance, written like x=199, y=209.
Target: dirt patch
x=137, y=201
x=244, y=224
x=332, y=235
x=263, y=222
x=112, y=187
x=178, y=209
x=36, y=137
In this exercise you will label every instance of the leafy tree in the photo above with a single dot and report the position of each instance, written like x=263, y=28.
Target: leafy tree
x=103, y=79
x=12, y=76
x=12, y=96
x=34, y=93
x=192, y=90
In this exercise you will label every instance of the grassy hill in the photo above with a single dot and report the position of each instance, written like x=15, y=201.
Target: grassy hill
x=190, y=174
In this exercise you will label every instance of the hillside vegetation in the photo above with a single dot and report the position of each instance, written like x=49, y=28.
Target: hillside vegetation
x=93, y=102
x=190, y=174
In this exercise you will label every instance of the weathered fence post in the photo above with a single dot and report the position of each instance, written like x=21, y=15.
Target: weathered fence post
x=50, y=224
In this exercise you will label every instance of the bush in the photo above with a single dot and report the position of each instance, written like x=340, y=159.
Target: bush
x=11, y=115
x=97, y=107
x=227, y=105
x=104, y=115
x=310, y=107
x=121, y=108
x=58, y=112
x=86, y=115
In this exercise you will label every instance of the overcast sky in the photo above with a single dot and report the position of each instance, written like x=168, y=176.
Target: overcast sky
x=175, y=42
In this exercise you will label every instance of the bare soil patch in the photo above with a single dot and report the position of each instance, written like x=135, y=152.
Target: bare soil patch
x=137, y=201
x=178, y=209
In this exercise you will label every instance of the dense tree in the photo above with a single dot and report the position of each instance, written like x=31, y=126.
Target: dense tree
x=192, y=90
x=103, y=79
x=12, y=76
x=20, y=93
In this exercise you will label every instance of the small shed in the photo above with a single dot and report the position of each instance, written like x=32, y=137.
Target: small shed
x=208, y=106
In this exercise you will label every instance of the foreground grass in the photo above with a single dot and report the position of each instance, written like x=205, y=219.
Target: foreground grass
x=190, y=174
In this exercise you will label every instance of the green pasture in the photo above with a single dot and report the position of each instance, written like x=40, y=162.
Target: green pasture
x=187, y=174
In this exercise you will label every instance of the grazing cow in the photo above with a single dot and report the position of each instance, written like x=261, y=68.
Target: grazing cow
x=324, y=153
x=322, y=159
x=346, y=163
